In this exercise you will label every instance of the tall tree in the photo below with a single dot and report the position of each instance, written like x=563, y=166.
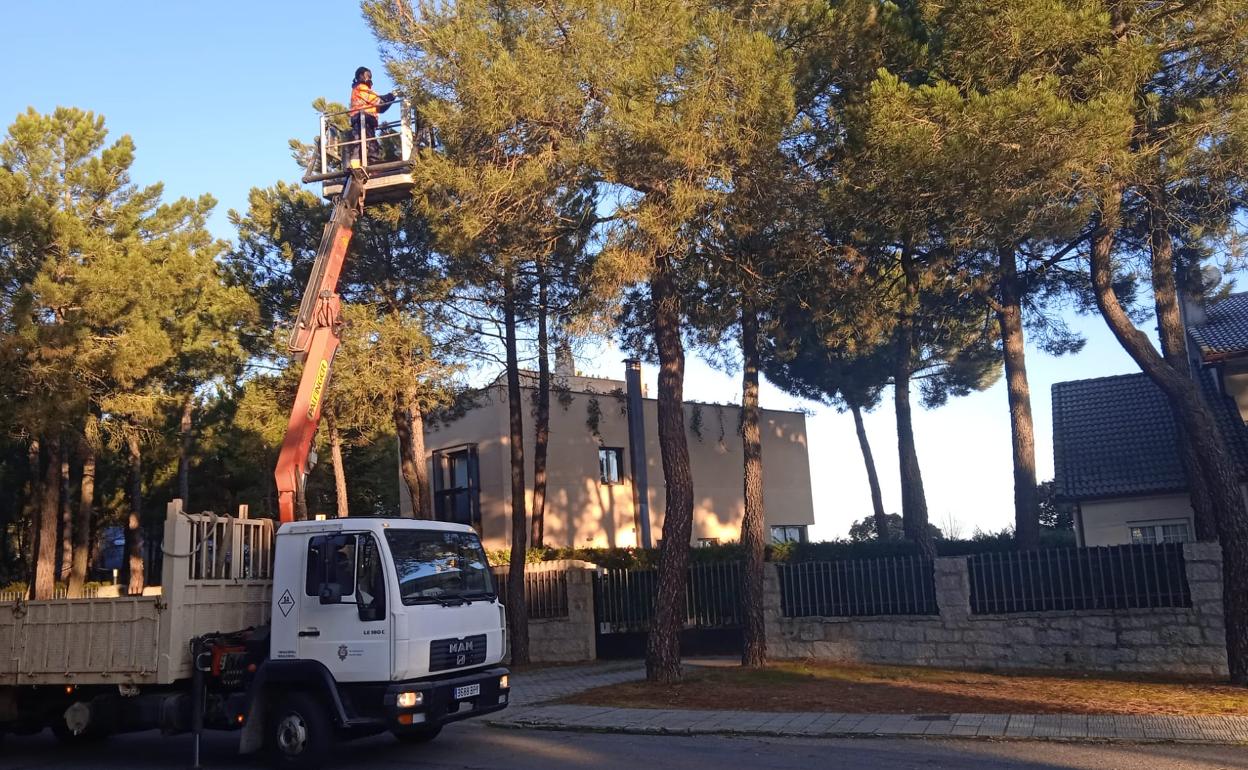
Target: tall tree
x=1186, y=110
x=104, y=284
x=399, y=358
x=1020, y=147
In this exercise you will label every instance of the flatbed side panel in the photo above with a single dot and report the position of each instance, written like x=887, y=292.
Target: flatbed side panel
x=207, y=607
x=80, y=641
x=217, y=577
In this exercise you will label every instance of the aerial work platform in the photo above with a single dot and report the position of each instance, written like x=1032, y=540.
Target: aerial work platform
x=386, y=158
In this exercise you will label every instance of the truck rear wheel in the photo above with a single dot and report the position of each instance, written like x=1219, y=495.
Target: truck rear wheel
x=422, y=734
x=301, y=732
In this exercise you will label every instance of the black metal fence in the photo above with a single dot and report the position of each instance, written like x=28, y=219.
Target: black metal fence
x=624, y=598
x=545, y=592
x=899, y=585
x=1100, y=578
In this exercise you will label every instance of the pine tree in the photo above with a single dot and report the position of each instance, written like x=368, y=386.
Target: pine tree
x=110, y=291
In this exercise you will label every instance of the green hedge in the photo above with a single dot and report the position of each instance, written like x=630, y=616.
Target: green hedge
x=833, y=550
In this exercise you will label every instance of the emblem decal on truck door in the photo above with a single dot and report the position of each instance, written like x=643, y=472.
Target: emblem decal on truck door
x=342, y=652
x=286, y=603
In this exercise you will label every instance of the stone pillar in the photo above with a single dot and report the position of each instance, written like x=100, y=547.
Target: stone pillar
x=1203, y=564
x=953, y=589
x=773, y=616
x=581, y=611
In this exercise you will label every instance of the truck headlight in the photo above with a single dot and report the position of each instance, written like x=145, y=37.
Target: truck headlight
x=504, y=682
x=407, y=700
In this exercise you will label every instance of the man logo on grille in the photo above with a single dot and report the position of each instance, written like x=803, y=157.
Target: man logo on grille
x=461, y=660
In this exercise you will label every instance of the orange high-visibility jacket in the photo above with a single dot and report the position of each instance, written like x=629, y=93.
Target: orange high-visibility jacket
x=364, y=99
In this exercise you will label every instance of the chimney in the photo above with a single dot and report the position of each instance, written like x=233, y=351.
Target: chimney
x=637, y=451
x=565, y=364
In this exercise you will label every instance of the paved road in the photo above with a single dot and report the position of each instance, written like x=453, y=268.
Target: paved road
x=480, y=748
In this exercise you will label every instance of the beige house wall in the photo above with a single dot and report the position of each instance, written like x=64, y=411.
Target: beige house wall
x=582, y=511
x=1108, y=522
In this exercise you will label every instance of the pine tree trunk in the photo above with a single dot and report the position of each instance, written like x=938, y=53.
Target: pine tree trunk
x=1173, y=339
x=409, y=426
x=873, y=478
x=1022, y=429
x=517, y=610
x=184, y=451
x=82, y=523
x=301, y=500
x=67, y=519
x=340, y=470
x=1220, y=473
x=135, y=579
x=663, y=643
x=30, y=510
x=49, y=514
x=754, y=653
x=541, y=437
x=913, y=499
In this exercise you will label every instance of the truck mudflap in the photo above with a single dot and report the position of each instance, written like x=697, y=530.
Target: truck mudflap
x=437, y=702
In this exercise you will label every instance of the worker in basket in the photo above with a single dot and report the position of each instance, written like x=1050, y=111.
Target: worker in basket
x=366, y=105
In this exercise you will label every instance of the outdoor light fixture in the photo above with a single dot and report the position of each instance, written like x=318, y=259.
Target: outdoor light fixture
x=407, y=700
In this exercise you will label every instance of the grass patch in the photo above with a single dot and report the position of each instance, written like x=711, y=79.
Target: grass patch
x=812, y=686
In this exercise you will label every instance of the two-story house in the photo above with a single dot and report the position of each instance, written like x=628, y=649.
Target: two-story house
x=1115, y=443
x=594, y=497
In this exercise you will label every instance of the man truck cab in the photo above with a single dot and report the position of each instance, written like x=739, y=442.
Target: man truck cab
x=400, y=615
x=295, y=636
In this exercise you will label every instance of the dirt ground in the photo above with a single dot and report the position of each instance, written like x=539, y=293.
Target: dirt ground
x=809, y=686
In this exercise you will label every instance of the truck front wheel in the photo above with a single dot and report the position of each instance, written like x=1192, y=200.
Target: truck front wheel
x=301, y=731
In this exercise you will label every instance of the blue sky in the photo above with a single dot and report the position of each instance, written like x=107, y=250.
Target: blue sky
x=211, y=92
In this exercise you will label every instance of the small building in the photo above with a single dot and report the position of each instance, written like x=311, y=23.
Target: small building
x=589, y=495
x=1115, y=442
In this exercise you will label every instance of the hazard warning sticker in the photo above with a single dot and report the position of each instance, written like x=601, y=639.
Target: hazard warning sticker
x=286, y=603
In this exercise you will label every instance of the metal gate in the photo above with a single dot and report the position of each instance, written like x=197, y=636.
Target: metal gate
x=624, y=609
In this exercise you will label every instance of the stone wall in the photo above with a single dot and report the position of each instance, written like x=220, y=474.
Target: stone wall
x=570, y=639
x=1187, y=641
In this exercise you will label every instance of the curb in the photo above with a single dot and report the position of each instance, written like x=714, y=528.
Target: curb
x=522, y=723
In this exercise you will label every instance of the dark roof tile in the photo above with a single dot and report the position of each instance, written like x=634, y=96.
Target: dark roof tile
x=1225, y=329
x=1115, y=437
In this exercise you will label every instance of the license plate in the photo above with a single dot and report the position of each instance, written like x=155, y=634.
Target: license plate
x=467, y=691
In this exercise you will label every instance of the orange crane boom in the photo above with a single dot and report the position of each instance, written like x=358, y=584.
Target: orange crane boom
x=314, y=340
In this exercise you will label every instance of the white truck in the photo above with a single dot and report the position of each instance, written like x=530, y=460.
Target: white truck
x=324, y=630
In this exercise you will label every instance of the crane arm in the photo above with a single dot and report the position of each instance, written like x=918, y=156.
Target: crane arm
x=314, y=340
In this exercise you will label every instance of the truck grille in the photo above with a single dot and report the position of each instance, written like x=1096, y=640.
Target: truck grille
x=456, y=653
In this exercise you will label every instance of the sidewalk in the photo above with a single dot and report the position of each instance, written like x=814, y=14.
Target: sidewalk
x=531, y=691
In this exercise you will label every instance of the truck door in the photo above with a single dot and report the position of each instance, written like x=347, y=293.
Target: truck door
x=344, y=622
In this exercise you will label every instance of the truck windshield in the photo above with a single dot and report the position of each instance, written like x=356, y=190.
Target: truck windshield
x=439, y=566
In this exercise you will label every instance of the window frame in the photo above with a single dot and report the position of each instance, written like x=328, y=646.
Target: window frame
x=1157, y=528
x=803, y=533
x=621, y=475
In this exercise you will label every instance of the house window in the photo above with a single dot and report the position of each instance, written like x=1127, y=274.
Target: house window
x=456, y=487
x=788, y=533
x=1175, y=533
x=611, y=465
x=1164, y=532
